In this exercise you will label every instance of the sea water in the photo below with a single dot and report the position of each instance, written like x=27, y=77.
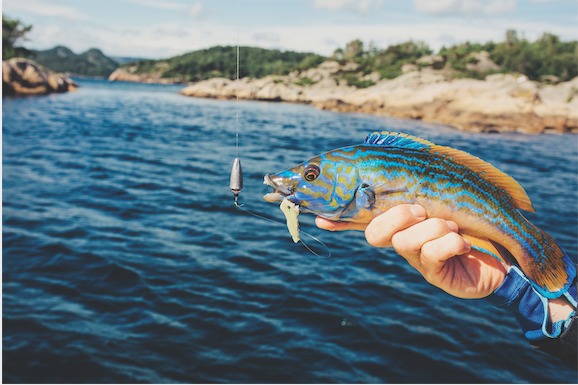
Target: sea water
x=125, y=260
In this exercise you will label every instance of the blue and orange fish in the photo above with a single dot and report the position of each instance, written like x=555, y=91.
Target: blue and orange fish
x=358, y=183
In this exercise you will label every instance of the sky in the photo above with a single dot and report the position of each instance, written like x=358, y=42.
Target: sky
x=159, y=29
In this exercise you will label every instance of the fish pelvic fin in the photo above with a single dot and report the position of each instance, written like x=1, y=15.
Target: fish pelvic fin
x=484, y=245
x=485, y=170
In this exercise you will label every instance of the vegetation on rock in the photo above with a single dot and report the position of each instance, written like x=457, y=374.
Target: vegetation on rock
x=220, y=61
x=386, y=62
x=546, y=59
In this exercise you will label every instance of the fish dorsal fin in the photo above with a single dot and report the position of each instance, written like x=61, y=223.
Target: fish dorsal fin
x=485, y=170
x=397, y=139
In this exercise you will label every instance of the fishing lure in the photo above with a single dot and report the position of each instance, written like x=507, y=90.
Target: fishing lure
x=236, y=179
x=357, y=183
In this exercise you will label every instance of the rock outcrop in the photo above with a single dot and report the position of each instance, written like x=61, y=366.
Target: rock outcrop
x=22, y=76
x=500, y=103
x=128, y=74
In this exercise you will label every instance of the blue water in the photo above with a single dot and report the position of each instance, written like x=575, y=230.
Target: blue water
x=124, y=259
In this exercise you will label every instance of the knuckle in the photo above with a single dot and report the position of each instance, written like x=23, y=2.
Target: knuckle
x=430, y=250
x=375, y=238
x=455, y=242
x=439, y=224
x=448, y=246
x=399, y=241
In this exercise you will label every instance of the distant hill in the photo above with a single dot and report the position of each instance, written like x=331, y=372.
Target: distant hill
x=220, y=61
x=90, y=63
x=123, y=60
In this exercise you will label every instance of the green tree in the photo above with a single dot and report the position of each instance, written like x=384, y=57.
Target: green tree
x=353, y=50
x=13, y=31
x=511, y=38
x=388, y=62
x=546, y=56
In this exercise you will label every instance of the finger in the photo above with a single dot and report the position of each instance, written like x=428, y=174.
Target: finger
x=412, y=239
x=436, y=252
x=382, y=228
x=327, y=224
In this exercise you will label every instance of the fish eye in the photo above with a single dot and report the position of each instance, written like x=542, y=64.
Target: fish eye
x=311, y=172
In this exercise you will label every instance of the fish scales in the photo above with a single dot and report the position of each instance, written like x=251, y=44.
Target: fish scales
x=467, y=190
x=483, y=198
x=357, y=183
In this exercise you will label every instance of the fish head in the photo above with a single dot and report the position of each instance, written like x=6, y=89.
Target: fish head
x=324, y=185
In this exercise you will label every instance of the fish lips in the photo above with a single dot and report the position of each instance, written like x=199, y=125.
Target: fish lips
x=281, y=191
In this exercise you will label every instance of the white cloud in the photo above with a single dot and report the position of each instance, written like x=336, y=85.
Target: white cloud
x=177, y=35
x=159, y=4
x=469, y=8
x=266, y=37
x=359, y=6
x=44, y=8
x=196, y=10
x=163, y=40
x=436, y=33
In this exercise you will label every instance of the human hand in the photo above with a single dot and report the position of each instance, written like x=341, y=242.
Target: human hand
x=434, y=247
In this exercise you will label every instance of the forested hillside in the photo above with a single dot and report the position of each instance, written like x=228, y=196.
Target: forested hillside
x=220, y=61
x=90, y=63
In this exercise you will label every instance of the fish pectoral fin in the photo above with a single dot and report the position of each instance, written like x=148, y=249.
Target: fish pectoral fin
x=484, y=245
x=366, y=195
x=383, y=189
x=363, y=199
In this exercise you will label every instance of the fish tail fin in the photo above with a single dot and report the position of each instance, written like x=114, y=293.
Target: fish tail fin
x=550, y=270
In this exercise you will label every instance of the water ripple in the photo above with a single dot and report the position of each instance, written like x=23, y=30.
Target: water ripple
x=124, y=259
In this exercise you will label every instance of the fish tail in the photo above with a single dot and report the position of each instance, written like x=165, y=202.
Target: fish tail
x=549, y=268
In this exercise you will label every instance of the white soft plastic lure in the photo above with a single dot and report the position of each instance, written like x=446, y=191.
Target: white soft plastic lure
x=291, y=211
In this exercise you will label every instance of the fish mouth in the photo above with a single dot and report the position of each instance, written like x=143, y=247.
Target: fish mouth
x=280, y=193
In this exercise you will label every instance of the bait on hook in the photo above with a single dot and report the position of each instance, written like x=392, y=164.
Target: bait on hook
x=236, y=185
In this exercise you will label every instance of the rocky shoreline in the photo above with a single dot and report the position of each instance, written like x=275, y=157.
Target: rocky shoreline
x=22, y=76
x=500, y=103
x=128, y=75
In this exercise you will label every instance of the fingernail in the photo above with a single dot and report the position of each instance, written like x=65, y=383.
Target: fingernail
x=468, y=245
x=418, y=211
x=453, y=226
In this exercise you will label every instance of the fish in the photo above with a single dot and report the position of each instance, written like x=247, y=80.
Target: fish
x=359, y=182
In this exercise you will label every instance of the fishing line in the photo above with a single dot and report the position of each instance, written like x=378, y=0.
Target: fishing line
x=237, y=88
x=236, y=177
x=260, y=216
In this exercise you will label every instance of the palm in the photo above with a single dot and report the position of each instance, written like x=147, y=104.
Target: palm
x=471, y=275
